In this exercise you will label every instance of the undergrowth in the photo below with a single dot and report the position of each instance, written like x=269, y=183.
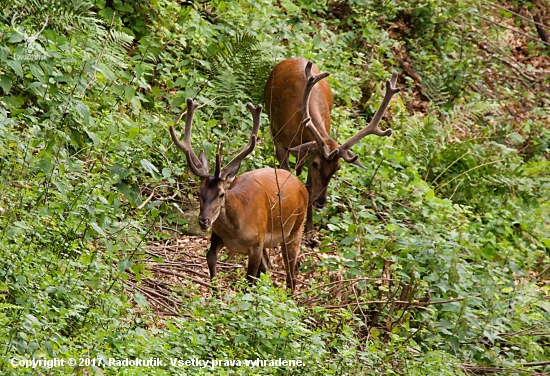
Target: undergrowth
x=442, y=243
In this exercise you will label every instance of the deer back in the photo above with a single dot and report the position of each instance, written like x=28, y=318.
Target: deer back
x=283, y=97
x=254, y=213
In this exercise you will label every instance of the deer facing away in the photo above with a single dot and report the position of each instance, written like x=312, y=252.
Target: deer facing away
x=299, y=103
x=259, y=209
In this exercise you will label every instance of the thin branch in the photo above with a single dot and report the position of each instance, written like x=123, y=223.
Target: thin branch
x=510, y=28
x=449, y=166
x=514, y=13
x=465, y=172
x=99, y=58
x=413, y=304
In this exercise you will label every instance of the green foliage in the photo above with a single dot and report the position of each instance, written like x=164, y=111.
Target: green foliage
x=239, y=68
x=454, y=207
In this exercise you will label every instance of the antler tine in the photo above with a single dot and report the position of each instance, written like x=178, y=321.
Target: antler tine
x=43, y=27
x=310, y=83
x=318, y=138
x=199, y=165
x=372, y=128
x=218, y=160
x=256, y=117
x=349, y=157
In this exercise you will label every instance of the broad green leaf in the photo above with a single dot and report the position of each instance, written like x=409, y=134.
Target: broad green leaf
x=5, y=83
x=150, y=168
x=130, y=192
x=4, y=53
x=16, y=66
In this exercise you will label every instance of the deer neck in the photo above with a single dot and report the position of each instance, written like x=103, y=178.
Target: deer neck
x=229, y=220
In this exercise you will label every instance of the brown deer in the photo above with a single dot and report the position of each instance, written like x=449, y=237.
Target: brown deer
x=257, y=210
x=299, y=105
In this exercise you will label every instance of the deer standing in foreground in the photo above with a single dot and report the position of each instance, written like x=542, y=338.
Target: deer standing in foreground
x=299, y=105
x=257, y=210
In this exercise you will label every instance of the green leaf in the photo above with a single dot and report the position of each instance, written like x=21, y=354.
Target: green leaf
x=33, y=319
x=83, y=111
x=450, y=307
x=15, y=38
x=140, y=300
x=180, y=82
x=430, y=194
x=93, y=137
x=16, y=66
x=15, y=102
x=97, y=229
x=4, y=53
x=129, y=92
x=348, y=240
x=290, y=6
x=245, y=305
x=248, y=297
x=332, y=227
x=505, y=13
x=5, y=84
x=150, y=168
x=37, y=72
x=516, y=138
x=118, y=171
x=108, y=14
x=123, y=265
x=49, y=348
x=131, y=192
x=125, y=8
x=178, y=100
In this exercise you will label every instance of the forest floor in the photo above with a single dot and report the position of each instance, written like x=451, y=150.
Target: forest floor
x=177, y=267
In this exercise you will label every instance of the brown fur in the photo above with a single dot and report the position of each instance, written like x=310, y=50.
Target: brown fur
x=283, y=98
x=247, y=219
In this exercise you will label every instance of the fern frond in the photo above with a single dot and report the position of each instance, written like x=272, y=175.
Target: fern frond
x=435, y=89
x=465, y=116
x=116, y=45
x=62, y=16
x=4, y=306
x=421, y=140
x=239, y=70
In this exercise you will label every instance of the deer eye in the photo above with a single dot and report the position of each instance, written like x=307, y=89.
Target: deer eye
x=315, y=164
x=222, y=195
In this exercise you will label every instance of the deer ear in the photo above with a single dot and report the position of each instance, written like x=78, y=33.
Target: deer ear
x=308, y=147
x=203, y=159
x=231, y=175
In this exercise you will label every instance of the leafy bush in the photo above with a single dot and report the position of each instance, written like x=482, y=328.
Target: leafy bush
x=433, y=261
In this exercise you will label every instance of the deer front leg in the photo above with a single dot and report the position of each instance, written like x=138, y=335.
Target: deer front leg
x=310, y=236
x=282, y=156
x=216, y=244
x=255, y=259
x=309, y=233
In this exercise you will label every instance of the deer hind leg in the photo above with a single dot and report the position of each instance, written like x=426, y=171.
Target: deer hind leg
x=265, y=265
x=290, y=255
x=291, y=250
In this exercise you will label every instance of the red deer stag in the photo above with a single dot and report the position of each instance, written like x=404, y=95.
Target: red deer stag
x=251, y=212
x=299, y=105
